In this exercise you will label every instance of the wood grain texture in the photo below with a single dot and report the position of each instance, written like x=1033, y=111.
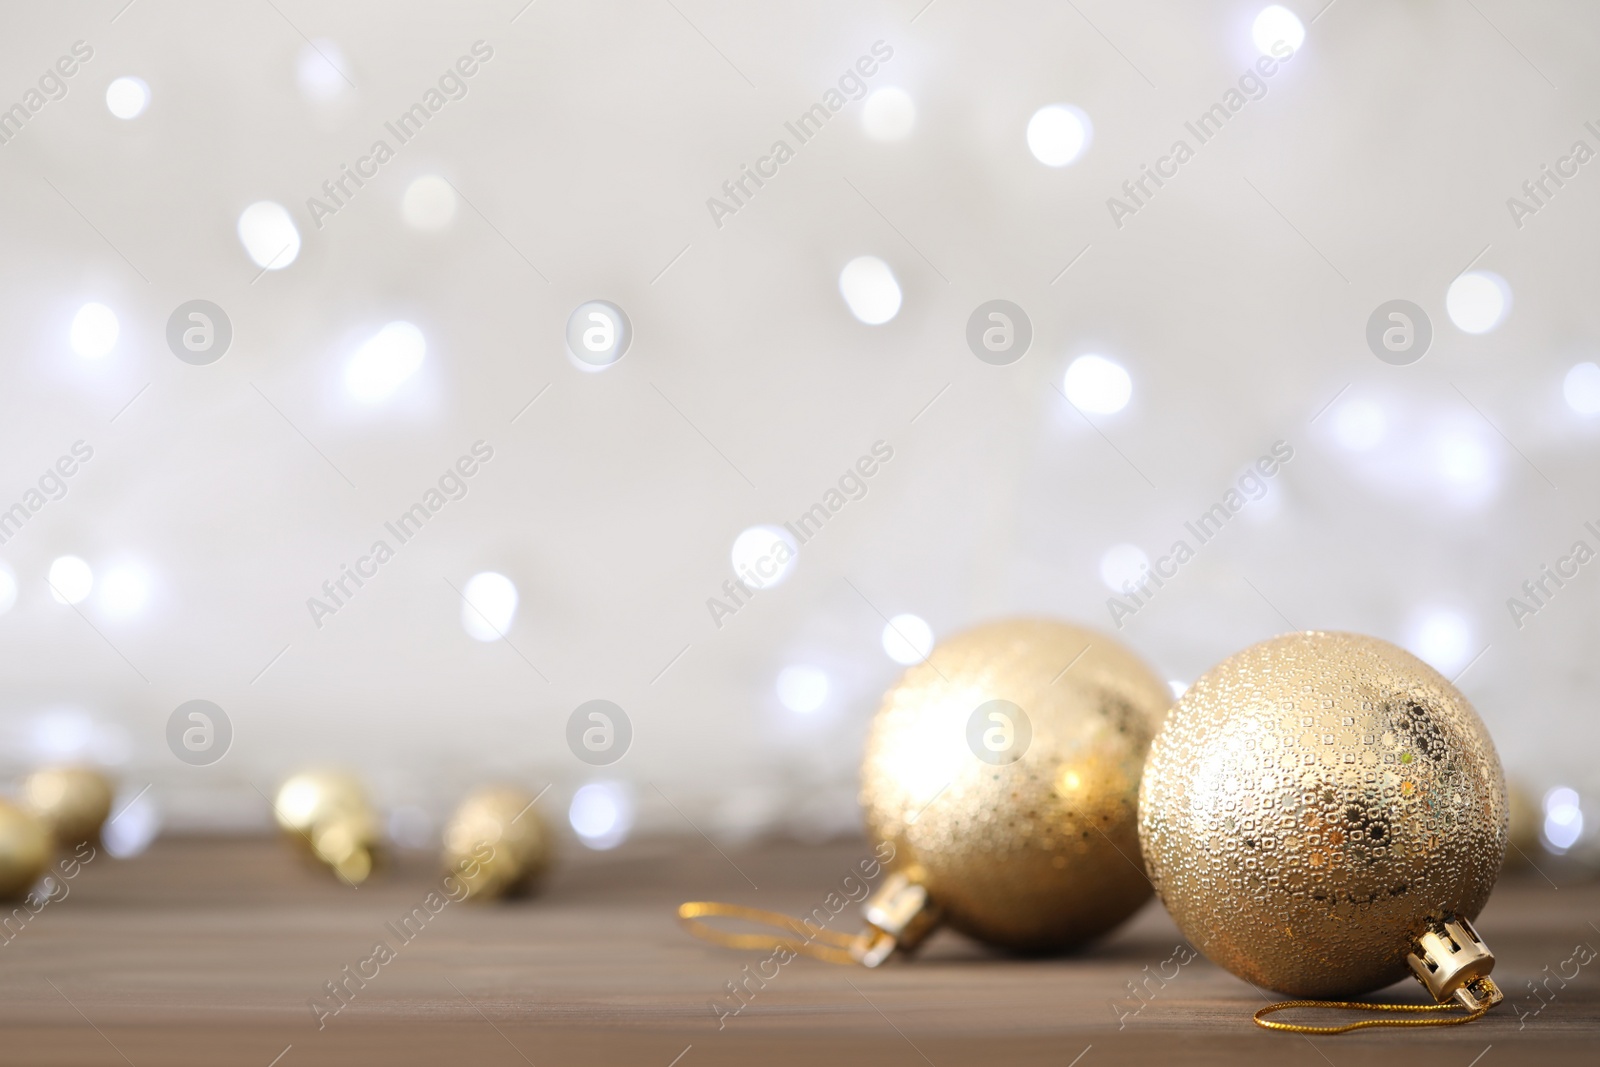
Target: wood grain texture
x=207, y=951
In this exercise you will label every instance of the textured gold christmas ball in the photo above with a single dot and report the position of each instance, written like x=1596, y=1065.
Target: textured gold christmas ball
x=1022, y=827
x=497, y=843
x=1312, y=802
x=327, y=813
x=24, y=850
x=71, y=802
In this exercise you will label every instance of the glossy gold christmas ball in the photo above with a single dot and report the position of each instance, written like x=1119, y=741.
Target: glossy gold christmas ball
x=71, y=802
x=327, y=814
x=1312, y=802
x=497, y=843
x=24, y=850
x=1004, y=773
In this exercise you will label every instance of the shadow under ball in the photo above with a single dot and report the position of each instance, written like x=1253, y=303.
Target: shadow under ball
x=1312, y=802
x=72, y=802
x=497, y=843
x=25, y=848
x=1036, y=855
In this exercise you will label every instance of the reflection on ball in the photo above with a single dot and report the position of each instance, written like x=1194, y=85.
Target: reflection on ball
x=71, y=802
x=326, y=813
x=1312, y=803
x=24, y=850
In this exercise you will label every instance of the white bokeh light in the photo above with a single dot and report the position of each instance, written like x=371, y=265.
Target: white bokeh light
x=410, y=826
x=889, y=114
x=601, y=814
x=269, y=235
x=1178, y=688
x=1443, y=639
x=1095, y=383
x=870, y=290
x=1359, y=425
x=8, y=589
x=1121, y=564
x=802, y=689
x=429, y=203
x=1465, y=461
x=94, y=331
x=384, y=362
x=72, y=735
x=1277, y=23
x=316, y=71
x=135, y=821
x=489, y=607
x=1059, y=134
x=763, y=556
x=907, y=639
x=124, y=590
x=1581, y=388
x=1478, y=301
x=70, y=579
x=127, y=97
x=1563, y=819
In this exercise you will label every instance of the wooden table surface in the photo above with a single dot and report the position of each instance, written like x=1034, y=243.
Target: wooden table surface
x=207, y=951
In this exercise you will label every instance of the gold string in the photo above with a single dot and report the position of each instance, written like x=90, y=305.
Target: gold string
x=833, y=948
x=1418, y=1009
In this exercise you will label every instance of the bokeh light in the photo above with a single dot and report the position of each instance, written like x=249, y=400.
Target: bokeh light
x=1277, y=23
x=429, y=203
x=907, y=639
x=316, y=71
x=94, y=331
x=601, y=814
x=870, y=290
x=384, y=362
x=490, y=606
x=134, y=823
x=889, y=114
x=802, y=689
x=1359, y=425
x=763, y=556
x=1581, y=388
x=269, y=235
x=1122, y=564
x=1563, y=819
x=124, y=590
x=127, y=97
x=1097, y=384
x=1442, y=638
x=70, y=579
x=1059, y=134
x=1478, y=301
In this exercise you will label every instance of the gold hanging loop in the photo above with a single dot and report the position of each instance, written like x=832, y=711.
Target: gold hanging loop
x=828, y=945
x=1486, y=996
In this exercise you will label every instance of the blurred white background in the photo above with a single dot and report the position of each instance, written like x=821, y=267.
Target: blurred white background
x=1229, y=312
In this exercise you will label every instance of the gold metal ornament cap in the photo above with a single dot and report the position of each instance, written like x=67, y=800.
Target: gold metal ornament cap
x=24, y=850
x=497, y=843
x=1004, y=771
x=1317, y=803
x=71, y=802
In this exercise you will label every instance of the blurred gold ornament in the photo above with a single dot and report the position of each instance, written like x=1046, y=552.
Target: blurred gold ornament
x=71, y=802
x=1003, y=772
x=24, y=850
x=497, y=843
x=1323, y=812
x=327, y=813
